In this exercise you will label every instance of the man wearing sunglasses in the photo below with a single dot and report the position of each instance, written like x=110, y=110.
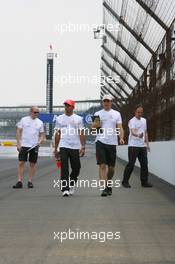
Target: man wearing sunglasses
x=70, y=139
x=30, y=135
x=138, y=145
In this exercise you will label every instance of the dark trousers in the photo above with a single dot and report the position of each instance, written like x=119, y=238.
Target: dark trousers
x=133, y=154
x=69, y=155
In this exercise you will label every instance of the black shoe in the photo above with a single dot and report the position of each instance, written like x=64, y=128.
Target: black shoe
x=109, y=190
x=147, y=185
x=104, y=193
x=18, y=185
x=30, y=185
x=126, y=185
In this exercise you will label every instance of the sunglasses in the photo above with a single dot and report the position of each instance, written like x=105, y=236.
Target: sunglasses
x=36, y=112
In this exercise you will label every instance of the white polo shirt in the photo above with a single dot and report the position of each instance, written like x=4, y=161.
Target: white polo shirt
x=109, y=120
x=31, y=129
x=70, y=127
x=139, y=126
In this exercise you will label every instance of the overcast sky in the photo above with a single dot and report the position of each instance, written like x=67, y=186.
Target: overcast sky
x=27, y=27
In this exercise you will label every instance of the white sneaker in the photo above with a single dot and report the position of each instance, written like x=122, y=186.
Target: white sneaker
x=72, y=190
x=66, y=193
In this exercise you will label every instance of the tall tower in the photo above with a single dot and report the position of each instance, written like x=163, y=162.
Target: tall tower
x=49, y=92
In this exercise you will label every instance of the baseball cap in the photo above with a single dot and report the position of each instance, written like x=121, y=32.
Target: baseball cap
x=70, y=102
x=107, y=97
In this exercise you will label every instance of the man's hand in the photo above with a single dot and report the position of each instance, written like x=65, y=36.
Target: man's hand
x=56, y=154
x=96, y=123
x=148, y=148
x=122, y=142
x=140, y=135
x=39, y=143
x=82, y=151
x=18, y=138
x=18, y=147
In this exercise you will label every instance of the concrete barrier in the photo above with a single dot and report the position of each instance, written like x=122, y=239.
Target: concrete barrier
x=161, y=159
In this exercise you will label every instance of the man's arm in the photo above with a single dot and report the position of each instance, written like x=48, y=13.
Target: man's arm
x=121, y=133
x=147, y=140
x=83, y=142
x=57, y=141
x=42, y=138
x=18, y=137
x=133, y=132
x=146, y=137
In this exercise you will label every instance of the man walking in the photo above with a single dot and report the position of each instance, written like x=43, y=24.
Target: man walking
x=70, y=139
x=138, y=145
x=30, y=135
x=109, y=127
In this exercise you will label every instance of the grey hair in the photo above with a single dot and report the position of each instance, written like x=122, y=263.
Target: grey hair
x=31, y=108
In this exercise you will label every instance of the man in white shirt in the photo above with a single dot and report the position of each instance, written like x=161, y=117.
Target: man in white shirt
x=70, y=139
x=109, y=128
x=138, y=145
x=30, y=135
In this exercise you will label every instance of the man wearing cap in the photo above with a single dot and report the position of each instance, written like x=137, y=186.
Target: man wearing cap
x=109, y=127
x=70, y=139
